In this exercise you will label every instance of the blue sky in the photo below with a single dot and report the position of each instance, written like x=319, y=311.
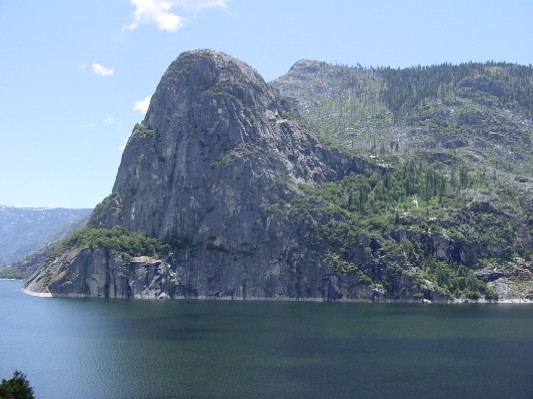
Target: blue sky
x=75, y=76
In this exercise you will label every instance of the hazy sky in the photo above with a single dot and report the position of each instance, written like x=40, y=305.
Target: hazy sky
x=75, y=76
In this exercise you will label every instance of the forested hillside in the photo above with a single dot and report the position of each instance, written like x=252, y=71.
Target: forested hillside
x=439, y=107
x=456, y=211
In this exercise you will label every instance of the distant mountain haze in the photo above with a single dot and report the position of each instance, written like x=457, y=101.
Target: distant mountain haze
x=25, y=230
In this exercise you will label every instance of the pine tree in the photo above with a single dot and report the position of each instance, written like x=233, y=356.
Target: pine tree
x=18, y=387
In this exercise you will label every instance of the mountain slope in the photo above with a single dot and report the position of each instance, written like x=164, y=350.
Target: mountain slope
x=215, y=137
x=25, y=230
x=205, y=173
x=482, y=111
x=224, y=190
x=25, y=267
x=460, y=137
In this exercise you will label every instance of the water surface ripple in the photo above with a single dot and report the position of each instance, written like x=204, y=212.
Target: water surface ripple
x=93, y=348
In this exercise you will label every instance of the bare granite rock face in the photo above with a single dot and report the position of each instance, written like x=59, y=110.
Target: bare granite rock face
x=215, y=150
x=100, y=273
x=208, y=170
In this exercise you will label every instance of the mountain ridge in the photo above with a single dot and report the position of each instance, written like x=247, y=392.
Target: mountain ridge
x=24, y=230
x=251, y=203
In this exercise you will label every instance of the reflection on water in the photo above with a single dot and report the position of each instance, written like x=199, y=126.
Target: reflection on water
x=93, y=348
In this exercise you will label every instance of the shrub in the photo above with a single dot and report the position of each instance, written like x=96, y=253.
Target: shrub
x=118, y=239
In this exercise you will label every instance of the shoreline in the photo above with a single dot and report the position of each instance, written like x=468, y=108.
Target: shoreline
x=286, y=299
x=37, y=294
x=165, y=297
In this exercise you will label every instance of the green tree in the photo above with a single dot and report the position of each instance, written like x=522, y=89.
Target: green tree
x=18, y=387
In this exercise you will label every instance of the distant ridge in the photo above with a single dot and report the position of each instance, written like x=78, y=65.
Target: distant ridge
x=24, y=230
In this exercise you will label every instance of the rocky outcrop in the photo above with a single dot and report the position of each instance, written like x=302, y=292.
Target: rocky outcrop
x=201, y=274
x=100, y=273
x=208, y=168
x=215, y=170
x=215, y=150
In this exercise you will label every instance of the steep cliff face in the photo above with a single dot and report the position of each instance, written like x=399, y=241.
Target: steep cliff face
x=215, y=150
x=101, y=273
x=246, y=203
x=206, y=171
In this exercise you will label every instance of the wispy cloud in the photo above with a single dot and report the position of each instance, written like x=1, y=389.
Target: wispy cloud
x=161, y=13
x=89, y=125
x=142, y=105
x=102, y=70
x=110, y=121
x=198, y=5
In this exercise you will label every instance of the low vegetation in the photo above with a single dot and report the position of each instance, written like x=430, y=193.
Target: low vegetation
x=143, y=131
x=118, y=239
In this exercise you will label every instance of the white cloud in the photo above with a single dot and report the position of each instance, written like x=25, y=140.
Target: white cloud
x=102, y=70
x=159, y=12
x=155, y=11
x=110, y=121
x=142, y=105
x=89, y=125
x=198, y=5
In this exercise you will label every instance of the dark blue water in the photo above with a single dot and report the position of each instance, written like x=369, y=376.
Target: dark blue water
x=91, y=348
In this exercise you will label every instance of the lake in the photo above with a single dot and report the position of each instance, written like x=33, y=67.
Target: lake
x=96, y=348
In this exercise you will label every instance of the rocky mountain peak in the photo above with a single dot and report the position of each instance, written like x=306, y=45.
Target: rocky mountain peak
x=207, y=72
x=309, y=66
x=216, y=149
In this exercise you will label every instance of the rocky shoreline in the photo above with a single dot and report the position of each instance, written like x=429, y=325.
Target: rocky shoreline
x=520, y=301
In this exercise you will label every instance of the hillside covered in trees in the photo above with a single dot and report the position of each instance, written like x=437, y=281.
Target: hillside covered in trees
x=456, y=210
